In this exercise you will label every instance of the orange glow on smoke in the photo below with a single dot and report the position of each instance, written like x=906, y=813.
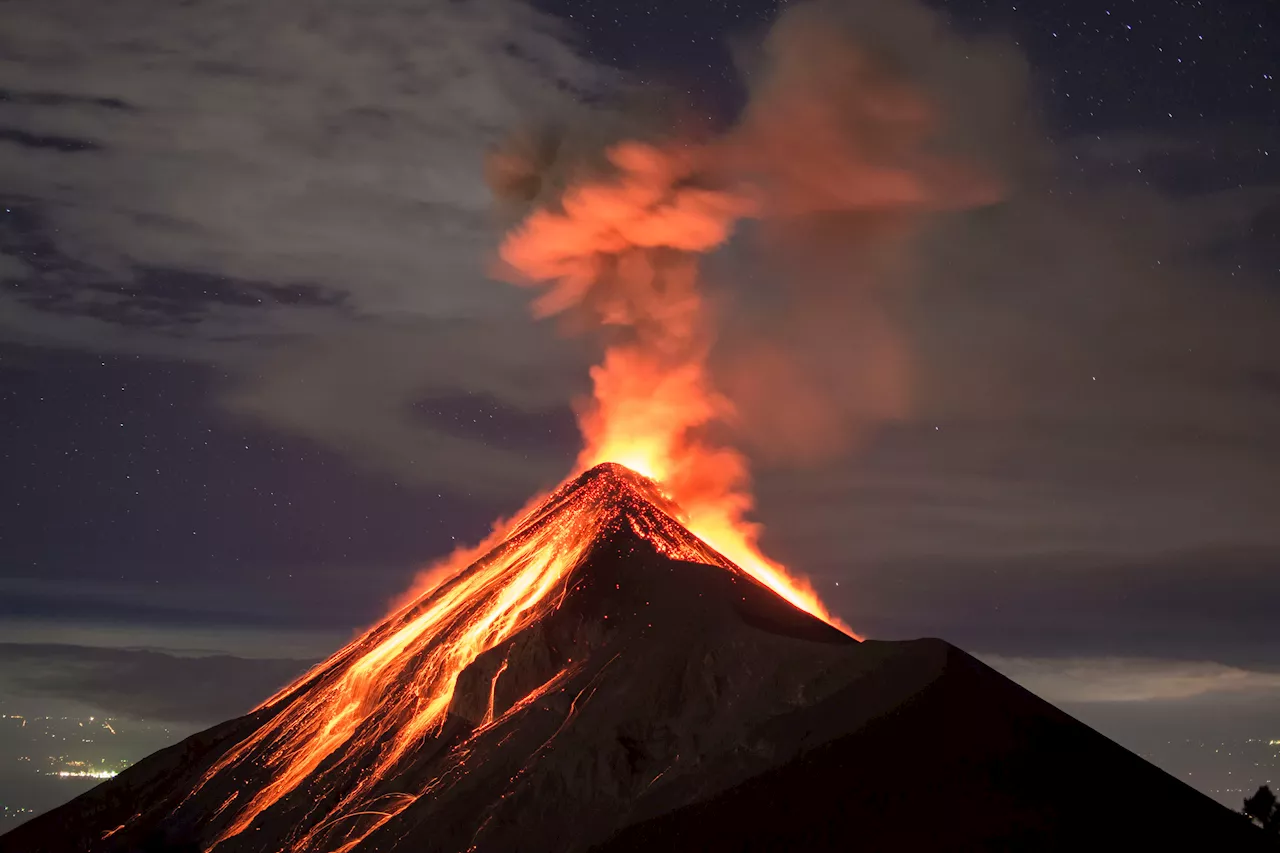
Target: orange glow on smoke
x=642, y=419
x=622, y=253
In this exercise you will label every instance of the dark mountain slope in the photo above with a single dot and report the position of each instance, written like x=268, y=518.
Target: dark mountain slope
x=971, y=762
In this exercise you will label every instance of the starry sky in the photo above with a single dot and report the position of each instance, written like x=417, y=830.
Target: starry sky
x=254, y=373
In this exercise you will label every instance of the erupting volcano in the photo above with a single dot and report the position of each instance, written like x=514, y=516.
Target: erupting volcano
x=620, y=667
x=390, y=691
x=602, y=679
x=340, y=751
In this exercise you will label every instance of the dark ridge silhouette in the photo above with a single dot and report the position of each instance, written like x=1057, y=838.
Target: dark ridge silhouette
x=971, y=762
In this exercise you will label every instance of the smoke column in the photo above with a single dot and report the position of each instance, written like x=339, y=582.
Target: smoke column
x=830, y=131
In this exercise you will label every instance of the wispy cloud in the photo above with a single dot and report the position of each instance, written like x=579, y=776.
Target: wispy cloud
x=170, y=162
x=1130, y=679
x=140, y=683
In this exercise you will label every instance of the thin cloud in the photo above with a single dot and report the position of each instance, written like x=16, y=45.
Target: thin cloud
x=334, y=151
x=1130, y=679
x=142, y=684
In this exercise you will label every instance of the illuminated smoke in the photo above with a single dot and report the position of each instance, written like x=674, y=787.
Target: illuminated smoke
x=830, y=131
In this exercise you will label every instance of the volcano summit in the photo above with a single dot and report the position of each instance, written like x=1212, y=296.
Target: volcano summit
x=603, y=680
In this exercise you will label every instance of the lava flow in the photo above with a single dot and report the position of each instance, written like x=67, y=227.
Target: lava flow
x=389, y=691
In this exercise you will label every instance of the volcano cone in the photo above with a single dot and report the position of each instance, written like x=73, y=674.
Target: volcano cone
x=603, y=680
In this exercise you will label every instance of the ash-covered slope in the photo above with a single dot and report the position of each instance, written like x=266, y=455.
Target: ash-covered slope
x=647, y=696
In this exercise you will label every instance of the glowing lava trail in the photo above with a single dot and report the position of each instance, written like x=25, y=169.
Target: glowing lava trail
x=388, y=692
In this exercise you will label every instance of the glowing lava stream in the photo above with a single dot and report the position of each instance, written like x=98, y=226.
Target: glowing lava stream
x=388, y=690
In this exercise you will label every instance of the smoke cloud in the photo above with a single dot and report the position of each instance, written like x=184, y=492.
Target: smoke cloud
x=844, y=150
x=865, y=120
x=838, y=140
x=1130, y=679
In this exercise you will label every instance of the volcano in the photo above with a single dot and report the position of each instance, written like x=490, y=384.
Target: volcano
x=604, y=681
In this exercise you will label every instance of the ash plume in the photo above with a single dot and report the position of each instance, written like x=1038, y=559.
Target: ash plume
x=845, y=147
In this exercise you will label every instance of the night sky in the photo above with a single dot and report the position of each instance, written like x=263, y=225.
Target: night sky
x=254, y=373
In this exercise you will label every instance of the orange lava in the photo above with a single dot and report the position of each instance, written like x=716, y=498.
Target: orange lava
x=386, y=693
